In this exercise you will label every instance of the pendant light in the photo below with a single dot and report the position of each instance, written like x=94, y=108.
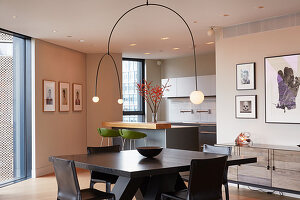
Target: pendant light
x=196, y=96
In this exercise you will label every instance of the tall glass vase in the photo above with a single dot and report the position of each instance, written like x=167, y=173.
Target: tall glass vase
x=154, y=117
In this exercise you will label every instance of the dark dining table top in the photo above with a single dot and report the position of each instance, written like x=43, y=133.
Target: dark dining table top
x=132, y=164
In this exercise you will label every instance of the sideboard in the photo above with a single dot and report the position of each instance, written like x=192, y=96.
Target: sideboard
x=277, y=167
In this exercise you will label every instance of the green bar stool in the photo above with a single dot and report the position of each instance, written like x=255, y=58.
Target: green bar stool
x=131, y=135
x=107, y=133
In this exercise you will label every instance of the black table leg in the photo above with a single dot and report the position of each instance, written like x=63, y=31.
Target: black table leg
x=158, y=184
x=180, y=185
x=125, y=188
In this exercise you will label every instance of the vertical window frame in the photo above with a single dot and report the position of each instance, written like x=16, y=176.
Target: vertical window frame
x=142, y=112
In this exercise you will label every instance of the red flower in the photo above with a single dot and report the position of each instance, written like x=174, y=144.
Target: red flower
x=152, y=94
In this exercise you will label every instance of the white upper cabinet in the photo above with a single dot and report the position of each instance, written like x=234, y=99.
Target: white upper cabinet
x=182, y=87
x=207, y=84
x=171, y=92
x=185, y=86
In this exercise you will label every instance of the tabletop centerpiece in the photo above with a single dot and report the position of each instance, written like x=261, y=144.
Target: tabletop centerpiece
x=152, y=95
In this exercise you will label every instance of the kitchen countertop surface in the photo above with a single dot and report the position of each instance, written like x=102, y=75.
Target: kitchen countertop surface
x=143, y=125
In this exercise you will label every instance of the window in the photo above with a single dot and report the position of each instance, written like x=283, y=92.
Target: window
x=133, y=106
x=15, y=108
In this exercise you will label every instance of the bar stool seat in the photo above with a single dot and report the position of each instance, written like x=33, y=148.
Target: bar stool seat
x=131, y=135
x=107, y=133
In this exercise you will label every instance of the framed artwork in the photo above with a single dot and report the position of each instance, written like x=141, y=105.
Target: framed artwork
x=64, y=97
x=77, y=97
x=245, y=76
x=282, y=80
x=49, y=96
x=245, y=106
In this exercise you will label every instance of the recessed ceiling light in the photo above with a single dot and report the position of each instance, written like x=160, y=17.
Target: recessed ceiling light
x=209, y=42
x=147, y=53
x=81, y=40
x=164, y=38
x=132, y=45
x=14, y=17
x=54, y=31
x=69, y=36
x=226, y=15
x=176, y=48
x=260, y=7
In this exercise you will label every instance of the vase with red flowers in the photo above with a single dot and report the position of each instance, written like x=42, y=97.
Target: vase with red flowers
x=152, y=95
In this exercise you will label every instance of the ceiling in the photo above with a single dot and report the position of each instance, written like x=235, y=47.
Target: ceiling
x=92, y=20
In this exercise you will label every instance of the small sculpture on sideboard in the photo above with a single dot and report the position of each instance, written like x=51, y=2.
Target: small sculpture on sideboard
x=243, y=139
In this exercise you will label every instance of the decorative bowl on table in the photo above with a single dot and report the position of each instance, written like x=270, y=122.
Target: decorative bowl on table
x=149, y=152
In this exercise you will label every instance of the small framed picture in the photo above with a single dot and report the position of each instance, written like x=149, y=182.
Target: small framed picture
x=245, y=76
x=77, y=97
x=245, y=106
x=64, y=97
x=49, y=96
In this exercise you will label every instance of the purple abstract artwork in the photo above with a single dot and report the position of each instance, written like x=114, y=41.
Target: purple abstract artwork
x=288, y=87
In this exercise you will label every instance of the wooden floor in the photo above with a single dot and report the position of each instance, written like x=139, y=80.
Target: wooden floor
x=45, y=188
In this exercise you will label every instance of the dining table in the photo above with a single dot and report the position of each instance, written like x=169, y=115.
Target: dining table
x=146, y=178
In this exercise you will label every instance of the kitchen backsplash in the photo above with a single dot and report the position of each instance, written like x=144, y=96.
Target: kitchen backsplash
x=182, y=110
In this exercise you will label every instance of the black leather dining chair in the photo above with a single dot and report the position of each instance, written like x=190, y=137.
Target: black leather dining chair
x=218, y=150
x=68, y=186
x=205, y=181
x=98, y=177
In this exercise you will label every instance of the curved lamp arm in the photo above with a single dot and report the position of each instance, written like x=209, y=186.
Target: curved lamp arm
x=139, y=6
x=117, y=73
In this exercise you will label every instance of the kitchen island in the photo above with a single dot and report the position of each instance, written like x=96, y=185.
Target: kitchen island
x=159, y=134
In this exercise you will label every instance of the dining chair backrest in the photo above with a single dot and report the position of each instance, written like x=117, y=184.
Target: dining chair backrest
x=206, y=177
x=95, y=150
x=217, y=149
x=67, y=181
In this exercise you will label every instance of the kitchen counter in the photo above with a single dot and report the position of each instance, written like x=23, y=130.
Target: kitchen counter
x=159, y=134
x=143, y=125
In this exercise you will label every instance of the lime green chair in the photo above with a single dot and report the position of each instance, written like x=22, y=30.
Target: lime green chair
x=131, y=135
x=107, y=133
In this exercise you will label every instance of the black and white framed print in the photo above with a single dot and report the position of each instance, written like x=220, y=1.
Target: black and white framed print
x=49, y=96
x=282, y=80
x=245, y=76
x=245, y=106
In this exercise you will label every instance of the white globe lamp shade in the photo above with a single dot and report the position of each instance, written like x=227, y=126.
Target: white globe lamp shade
x=210, y=32
x=120, y=101
x=95, y=99
x=197, y=97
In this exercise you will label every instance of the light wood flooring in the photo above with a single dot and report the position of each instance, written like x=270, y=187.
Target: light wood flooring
x=45, y=188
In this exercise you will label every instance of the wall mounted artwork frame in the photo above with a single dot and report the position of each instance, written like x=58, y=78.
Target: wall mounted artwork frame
x=49, y=95
x=246, y=106
x=282, y=81
x=77, y=97
x=64, y=96
x=245, y=76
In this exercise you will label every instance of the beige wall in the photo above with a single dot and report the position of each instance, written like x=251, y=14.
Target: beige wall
x=251, y=48
x=184, y=66
x=107, y=109
x=58, y=133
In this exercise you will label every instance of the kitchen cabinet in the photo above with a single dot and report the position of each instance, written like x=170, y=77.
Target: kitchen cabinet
x=207, y=84
x=171, y=92
x=184, y=86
